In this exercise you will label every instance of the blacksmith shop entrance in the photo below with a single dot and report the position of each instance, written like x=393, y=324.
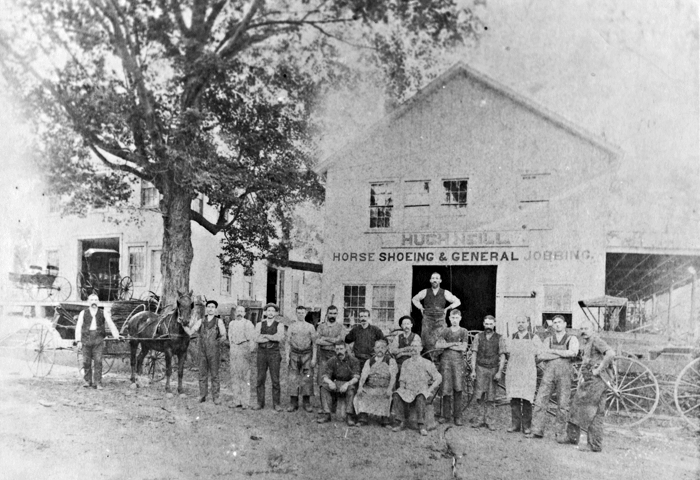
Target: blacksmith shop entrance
x=475, y=286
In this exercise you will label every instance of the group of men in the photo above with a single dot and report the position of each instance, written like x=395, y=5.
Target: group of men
x=389, y=381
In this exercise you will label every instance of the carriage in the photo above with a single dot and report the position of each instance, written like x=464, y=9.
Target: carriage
x=43, y=285
x=100, y=274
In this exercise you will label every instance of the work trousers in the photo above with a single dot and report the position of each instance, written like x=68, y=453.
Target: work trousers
x=330, y=397
x=557, y=376
x=268, y=359
x=521, y=414
x=92, y=352
x=403, y=408
x=209, y=362
x=301, y=380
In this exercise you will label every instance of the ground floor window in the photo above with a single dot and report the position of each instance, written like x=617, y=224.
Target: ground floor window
x=354, y=297
x=383, y=304
x=136, y=265
x=557, y=301
x=225, y=284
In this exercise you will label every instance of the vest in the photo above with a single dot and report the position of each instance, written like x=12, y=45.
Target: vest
x=373, y=360
x=528, y=336
x=434, y=302
x=99, y=323
x=405, y=341
x=208, y=325
x=487, y=356
x=266, y=329
x=561, y=345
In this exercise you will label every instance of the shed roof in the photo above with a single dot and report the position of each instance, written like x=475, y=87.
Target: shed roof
x=460, y=69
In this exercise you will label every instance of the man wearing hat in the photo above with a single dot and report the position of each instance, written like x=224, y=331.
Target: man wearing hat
x=212, y=333
x=90, y=334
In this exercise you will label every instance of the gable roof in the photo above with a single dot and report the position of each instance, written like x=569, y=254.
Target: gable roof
x=461, y=69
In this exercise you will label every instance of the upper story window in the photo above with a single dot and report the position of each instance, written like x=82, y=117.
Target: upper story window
x=149, y=194
x=534, y=188
x=380, y=205
x=455, y=193
x=417, y=193
x=225, y=284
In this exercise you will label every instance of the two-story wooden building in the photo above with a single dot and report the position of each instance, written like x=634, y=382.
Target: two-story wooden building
x=505, y=200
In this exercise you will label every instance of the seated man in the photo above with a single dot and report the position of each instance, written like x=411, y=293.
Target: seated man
x=418, y=381
x=339, y=380
x=405, y=342
x=376, y=385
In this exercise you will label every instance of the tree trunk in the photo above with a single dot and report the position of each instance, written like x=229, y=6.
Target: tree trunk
x=177, y=253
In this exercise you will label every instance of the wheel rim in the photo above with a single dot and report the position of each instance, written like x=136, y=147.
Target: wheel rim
x=60, y=290
x=155, y=365
x=40, y=350
x=107, y=364
x=633, y=393
x=126, y=289
x=686, y=393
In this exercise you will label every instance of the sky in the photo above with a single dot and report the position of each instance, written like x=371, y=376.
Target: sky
x=624, y=70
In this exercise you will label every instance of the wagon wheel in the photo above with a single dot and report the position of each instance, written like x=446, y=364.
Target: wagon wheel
x=126, y=288
x=686, y=393
x=60, y=290
x=107, y=363
x=633, y=394
x=154, y=364
x=40, y=350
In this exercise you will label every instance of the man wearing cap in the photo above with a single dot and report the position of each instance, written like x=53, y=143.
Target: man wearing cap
x=241, y=337
x=339, y=381
x=558, y=351
x=328, y=333
x=270, y=333
x=418, y=381
x=406, y=342
x=434, y=303
x=300, y=356
x=90, y=334
x=212, y=333
x=488, y=360
x=363, y=336
x=588, y=405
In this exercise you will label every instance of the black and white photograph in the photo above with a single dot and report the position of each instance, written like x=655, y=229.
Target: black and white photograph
x=349, y=239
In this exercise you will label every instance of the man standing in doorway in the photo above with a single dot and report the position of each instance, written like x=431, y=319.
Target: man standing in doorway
x=270, y=333
x=434, y=303
x=488, y=360
x=241, y=336
x=300, y=356
x=328, y=334
x=90, y=334
x=212, y=333
x=557, y=353
x=362, y=337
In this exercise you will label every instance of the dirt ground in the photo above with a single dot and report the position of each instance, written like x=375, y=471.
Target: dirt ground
x=54, y=428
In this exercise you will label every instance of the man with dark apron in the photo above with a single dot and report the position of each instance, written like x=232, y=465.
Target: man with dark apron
x=405, y=343
x=433, y=304
x=212, y=333
x=588, y=405
x=488, y=361
x=90, y=334
x=270, y=333
x=558, y=352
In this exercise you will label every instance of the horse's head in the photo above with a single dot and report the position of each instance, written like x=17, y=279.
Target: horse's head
x=184, y=307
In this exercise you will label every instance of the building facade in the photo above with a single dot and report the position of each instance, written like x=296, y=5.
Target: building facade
x=468, y=179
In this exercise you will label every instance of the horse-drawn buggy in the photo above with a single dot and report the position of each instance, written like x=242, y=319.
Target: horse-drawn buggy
x=43, y=284
x=100, y=274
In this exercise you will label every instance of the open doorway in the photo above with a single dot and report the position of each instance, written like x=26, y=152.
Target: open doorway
x=475, y=286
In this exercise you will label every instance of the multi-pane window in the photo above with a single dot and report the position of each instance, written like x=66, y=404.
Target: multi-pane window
x=417, y=193
x=380, y=205
x=225, y=284
x=149, y=195
x=354, y=297
x=248, y=280
x=383, y=304
x=557, y=298
x=137, y=265
x=455, y=193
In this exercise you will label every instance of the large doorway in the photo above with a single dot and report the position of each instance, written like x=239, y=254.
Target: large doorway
x=475, y=286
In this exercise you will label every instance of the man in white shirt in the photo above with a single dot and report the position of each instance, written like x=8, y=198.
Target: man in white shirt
x=434, y=303
x=90, y=335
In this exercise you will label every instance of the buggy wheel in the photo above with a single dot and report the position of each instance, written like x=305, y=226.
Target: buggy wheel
x=154, y=365
x=60, y=290
x=126, y=288
x=686, y=393
x=40, y=349
x=84, y=285
x=633, y=393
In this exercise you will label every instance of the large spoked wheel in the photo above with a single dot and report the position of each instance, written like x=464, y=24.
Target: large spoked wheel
x=633, y=394
x=686, y=393
x=40, y=349
x=126, y=288
x=60, y=290
x=154, y=365
x=85, y=285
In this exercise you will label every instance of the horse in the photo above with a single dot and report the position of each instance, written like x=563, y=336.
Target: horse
x=163, y=332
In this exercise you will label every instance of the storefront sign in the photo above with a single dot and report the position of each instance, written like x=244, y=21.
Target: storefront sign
x=457, y=239
x=464, y=256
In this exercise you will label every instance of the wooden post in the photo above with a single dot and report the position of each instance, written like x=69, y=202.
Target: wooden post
x=693, y=322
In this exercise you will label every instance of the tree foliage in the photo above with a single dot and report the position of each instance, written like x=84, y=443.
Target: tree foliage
x=207, y=97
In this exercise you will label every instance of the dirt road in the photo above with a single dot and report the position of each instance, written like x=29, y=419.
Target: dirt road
x=53, y=428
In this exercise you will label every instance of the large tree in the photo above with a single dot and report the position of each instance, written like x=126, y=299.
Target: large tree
x=206, y=97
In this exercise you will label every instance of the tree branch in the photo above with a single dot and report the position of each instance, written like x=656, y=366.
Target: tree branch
x=240, y=29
